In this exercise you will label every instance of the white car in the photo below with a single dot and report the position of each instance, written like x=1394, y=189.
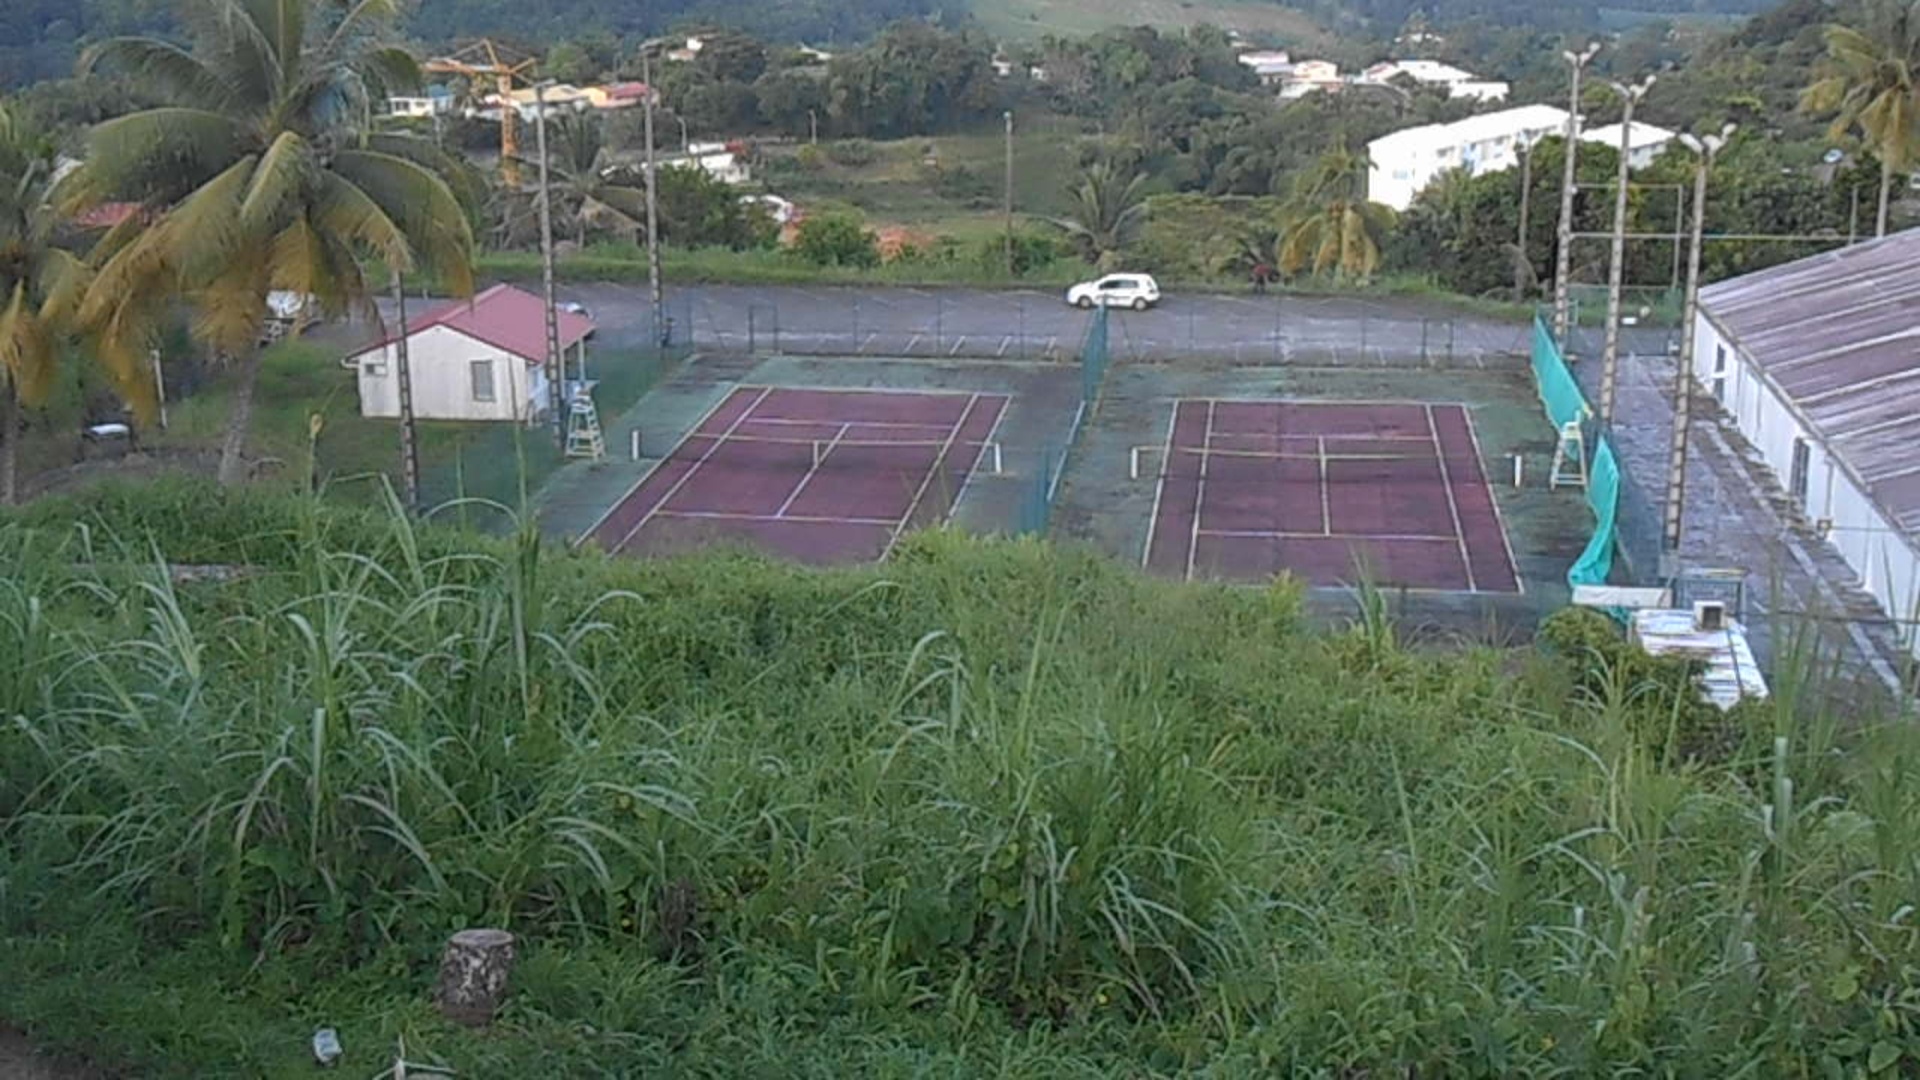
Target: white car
x=1136, y=291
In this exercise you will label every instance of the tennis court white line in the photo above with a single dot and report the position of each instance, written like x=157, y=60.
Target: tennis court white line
x=648, y=474
x=1453, y=505
x=912, y=341
x=1006, y=406
x=1200, y=491
x=798, y=519
x=955, y=351
x=848, y=423
x=1159, y=488
x=1005, y=344
x=1506, y=541
x=688, y=475
x=813, y=470
x=1262, y=534
x=945, y=449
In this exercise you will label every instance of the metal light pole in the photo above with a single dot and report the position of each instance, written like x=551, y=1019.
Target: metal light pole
x=813, y=127
x=653, y=207
x=1522, y=262
x=1616, y=268
x=686, y=143
x=403, y=371
x=1009, y=206
x=1706, y=147
x=556, y=373
x=1563, y=265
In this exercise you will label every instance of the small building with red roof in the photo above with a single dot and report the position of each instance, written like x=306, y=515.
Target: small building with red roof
x=477, y=359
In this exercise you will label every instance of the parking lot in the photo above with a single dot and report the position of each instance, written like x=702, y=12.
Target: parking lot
x=1030, y=324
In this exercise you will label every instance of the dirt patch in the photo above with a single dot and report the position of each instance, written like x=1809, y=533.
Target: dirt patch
x=20, y=1060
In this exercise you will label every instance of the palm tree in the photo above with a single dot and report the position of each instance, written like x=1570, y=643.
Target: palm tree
x=1108, y=210
x=1870, y=81
x=588, y=190
x=1331, y=227
x=40, y=286
x=262, y=175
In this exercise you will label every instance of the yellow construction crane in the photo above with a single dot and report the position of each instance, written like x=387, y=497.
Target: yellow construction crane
x=484, y=60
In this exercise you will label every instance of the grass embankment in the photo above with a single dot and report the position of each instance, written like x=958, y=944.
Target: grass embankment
x=991, y=809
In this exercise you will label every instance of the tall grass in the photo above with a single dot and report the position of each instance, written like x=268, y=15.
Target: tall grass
x=993, y=808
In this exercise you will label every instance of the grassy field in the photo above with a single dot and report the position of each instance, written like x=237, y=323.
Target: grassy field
x=993, y=809
x=353, y=457
x=1259, y=20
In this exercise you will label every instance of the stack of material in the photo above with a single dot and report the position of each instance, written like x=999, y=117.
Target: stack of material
x=1731, y=674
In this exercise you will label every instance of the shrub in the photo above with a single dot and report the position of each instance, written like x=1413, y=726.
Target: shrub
x=852, y=153
x=811, y=158
x=836, y=239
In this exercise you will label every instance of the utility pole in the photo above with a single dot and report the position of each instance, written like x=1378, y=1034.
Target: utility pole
x=1009, y=206
x=403, y=371
x=686, y=143
x=1706, y=147
x=813, y=127
x=1522, y=261
x=660, y=333
x=1563, y=266
x=556, y=374
x=1616, y=268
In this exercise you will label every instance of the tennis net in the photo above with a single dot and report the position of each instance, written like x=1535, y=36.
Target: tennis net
x=827, y=455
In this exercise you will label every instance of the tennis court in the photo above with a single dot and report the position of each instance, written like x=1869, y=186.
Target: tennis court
x=815, y=474
x=1326, y=491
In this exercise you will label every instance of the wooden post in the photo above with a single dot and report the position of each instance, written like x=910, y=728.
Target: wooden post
x=473, y=976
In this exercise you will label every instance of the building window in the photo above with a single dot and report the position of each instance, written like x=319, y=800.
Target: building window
x=482, y=373
x=376, y=369
x=1720, y=374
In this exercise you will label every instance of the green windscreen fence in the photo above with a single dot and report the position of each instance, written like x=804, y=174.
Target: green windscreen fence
x=1050, y=462
x=1565, y=404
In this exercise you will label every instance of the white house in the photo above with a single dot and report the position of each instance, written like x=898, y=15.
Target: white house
x=1310, y=76
x=1401, y=164
x=1817, y=362
x=1456, y=82
x=1272, y=66
x=1647, y=141
x=437, y=102
x=478, y=359
x=715, y=160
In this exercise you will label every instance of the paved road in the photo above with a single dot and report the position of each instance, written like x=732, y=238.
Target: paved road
x=1029, y=324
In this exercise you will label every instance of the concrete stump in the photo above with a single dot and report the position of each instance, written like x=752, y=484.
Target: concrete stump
x=473, y=976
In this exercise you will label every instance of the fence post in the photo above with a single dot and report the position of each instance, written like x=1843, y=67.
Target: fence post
x=1021, y=304
x=939, y=327
x=776, y=327
x=1279, y=354
x=856, y=324
x=1364, y=319
x=1450, y=325
x=753, y=344
x=1425, y=357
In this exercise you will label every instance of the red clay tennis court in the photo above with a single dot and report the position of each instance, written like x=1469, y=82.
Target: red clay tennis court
x=816, y=475
x=1321, y=489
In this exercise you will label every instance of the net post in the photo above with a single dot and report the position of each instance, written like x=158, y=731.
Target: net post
x=818, y=454
x=1133, y=463
x=996, y=458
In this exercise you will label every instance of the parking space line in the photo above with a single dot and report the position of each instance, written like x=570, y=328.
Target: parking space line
x=1005, y=344
x=862, y=348
x=955, y=351
x=911, y=342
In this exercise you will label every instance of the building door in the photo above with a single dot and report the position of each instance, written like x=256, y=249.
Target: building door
x=1797, y=475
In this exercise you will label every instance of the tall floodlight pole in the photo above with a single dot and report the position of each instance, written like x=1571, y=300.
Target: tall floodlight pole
x=1705, y=148
x=1616, y=267
x=555, y=365
x=1563, y=264
x=1009, y=192
x=653, y=205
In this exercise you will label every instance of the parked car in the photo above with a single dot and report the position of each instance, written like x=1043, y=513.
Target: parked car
x=1136, y=291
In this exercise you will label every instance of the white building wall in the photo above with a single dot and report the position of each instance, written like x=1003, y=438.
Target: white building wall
x=1882, y=557
x=443, y=389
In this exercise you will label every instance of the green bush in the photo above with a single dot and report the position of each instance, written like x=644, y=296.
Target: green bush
x=836, y=239
x=1659, y=695
x=852, y=153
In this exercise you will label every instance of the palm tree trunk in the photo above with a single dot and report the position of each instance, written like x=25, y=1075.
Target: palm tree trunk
x=233, y=462
x=1886, y=187
x=9, y=446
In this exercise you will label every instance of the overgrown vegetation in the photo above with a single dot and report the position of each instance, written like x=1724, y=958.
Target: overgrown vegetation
x=993, y=808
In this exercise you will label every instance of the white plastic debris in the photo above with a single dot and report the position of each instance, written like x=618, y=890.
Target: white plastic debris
x=326, y=1047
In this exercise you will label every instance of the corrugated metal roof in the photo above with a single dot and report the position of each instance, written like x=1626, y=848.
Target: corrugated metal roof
x=1839, y=335
x=507, y=318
